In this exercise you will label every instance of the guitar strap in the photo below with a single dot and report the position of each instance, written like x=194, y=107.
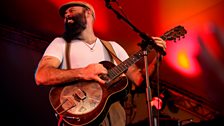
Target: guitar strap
x=111, y=51
x=67, y=56
x=68, y=65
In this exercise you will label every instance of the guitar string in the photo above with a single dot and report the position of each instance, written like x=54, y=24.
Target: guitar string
x=61, y=104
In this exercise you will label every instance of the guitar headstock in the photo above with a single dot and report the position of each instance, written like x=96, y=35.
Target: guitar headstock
x=173, y=34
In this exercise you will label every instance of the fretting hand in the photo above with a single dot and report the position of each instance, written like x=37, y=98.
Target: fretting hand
x=92, y=72
x=160, y=42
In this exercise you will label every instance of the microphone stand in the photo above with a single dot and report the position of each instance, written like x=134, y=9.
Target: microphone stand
x=146, y=41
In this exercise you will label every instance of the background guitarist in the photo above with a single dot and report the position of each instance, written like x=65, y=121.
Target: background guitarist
x=76, y=56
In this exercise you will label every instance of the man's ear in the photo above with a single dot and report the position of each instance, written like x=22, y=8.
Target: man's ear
x=90, y=13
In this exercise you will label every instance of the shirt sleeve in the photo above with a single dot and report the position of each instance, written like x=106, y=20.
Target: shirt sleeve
x=56, y=48
x=120, y=51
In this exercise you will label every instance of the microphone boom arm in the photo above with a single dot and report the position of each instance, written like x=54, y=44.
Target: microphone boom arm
x=146, y=39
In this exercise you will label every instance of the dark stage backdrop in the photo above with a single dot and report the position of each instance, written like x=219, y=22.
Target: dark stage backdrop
x=23, y=102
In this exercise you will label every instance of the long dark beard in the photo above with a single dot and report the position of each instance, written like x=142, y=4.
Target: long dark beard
x=73, y=30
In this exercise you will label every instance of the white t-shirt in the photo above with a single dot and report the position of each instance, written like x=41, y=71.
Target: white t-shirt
x=80, y=53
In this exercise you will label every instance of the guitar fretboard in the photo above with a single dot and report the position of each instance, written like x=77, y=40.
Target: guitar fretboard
x=122, y=67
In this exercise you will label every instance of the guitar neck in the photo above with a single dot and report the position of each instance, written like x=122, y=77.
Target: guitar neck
x=123, y=66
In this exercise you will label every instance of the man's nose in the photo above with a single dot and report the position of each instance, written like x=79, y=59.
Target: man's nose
x=68, y=15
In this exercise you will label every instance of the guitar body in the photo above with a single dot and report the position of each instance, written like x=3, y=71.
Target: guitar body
x=87, y=102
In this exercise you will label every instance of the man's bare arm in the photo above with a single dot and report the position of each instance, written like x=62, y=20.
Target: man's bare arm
x=48, y=72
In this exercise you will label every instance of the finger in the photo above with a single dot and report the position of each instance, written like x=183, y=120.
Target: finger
x=97, y=78
x=102, y=69
x=157, y=38
x=162, y=45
